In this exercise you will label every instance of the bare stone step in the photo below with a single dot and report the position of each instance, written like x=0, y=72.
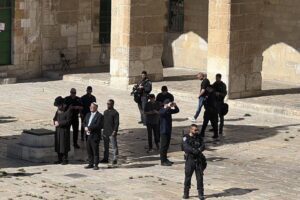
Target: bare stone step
x=3, y=75
x=35, y=145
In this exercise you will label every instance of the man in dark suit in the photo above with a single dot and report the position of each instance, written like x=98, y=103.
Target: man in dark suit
x=93, y=124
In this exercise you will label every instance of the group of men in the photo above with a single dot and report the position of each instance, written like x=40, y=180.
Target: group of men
x=156, y=114
x=93, y=123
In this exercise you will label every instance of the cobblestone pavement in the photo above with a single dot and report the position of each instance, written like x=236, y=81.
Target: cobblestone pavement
x=258, y=158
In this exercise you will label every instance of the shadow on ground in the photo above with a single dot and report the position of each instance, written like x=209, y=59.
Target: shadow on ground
x=133, y=145
x=231, y=192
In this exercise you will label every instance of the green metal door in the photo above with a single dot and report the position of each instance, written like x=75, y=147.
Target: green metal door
x=5, y=36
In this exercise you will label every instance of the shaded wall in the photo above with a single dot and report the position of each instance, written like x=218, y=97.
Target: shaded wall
x=281, y=40
x=189, y=49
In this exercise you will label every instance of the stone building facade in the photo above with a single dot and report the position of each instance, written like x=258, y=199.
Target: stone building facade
x=246, y=41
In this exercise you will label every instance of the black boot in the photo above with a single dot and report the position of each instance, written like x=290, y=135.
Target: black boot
x=186, y=193
x=200, y=195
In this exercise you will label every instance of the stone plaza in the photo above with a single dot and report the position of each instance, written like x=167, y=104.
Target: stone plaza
x=254, y=44
x=256, y=159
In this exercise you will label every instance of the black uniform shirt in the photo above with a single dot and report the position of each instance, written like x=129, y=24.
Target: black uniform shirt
x=152, y=118
x=193, y=144
x=161, y=97
x=69, y=101
x=220, y=87
x=86, y=101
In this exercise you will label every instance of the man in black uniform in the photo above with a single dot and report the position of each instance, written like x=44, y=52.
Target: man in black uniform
x=221, y=92
x=211, y=112
x=164, y=95
x=193, y=147
x=110, y=131
x=93, y=124
x=152, y=121
x=86, y=101
x=201, y=97
x=144, y=87
x=74, y=103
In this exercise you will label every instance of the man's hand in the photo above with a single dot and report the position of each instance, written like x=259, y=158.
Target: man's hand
x=114, y=133
x=56, y=124
x=86, y=129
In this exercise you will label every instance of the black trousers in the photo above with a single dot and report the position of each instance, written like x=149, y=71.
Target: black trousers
x=213, y=118
x=75, y=127
x=153, y=128
x=62, y=156
x=191, y=166
x=164, y=146
x=92, y=146
x=221, y=117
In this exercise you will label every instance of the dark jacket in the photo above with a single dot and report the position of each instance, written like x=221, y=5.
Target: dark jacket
x=162, y=97
x=147, y=84
x=220, y=88
x=166, y=119
x=111, y=122
x=152, y=118
x=62, y=132
x=86, y=101
x=96, y=125
x=193, y=145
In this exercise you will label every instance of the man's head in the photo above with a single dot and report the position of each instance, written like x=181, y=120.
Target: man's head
x=218, y=77
x=194, y=129
x=59, y=102
x=110, y=104
x=144, y=74
x=73, y=92
x=201, y=76
x=152, y=97
x=164, y=89
x=93, y=107
x=89, y=90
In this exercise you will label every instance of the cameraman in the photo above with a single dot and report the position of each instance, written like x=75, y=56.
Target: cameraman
x=142, y=89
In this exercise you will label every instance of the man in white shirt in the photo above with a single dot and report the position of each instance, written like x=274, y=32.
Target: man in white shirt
x=93, y=124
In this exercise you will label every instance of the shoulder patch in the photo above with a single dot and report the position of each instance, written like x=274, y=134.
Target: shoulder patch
x=184, y=139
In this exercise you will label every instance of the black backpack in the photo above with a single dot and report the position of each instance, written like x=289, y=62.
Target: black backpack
x=224, y=109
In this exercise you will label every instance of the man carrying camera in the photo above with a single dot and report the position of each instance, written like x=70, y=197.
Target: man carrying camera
x=141, y=92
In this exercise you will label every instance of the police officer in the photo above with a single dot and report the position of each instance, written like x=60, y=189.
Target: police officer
x=193, y=147
x=74, y=103
x=211, y=112
x=221, y=92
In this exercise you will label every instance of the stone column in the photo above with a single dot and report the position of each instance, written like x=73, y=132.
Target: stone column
x=136, y=40
x=234, y=45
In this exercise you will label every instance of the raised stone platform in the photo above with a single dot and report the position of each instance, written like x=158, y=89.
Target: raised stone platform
x=35, y=145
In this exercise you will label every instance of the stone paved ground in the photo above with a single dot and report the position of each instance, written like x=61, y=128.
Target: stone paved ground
x=258, y=158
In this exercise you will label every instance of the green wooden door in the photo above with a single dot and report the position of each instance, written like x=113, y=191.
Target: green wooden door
x=5, y=36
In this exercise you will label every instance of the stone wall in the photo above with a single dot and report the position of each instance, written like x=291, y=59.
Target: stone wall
x=189, y=49
x=71, y=27
x=26, y=45
x=281, y=40
x=43, y=29
x=137, y=36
